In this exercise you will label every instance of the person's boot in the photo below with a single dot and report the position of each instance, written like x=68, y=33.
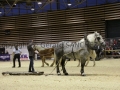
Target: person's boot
x=13, y=66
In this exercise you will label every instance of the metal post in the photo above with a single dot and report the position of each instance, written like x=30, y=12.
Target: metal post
x=19, y=8
x=50, y=6
x=4, y=11
x=58, y=4
x=96, y=2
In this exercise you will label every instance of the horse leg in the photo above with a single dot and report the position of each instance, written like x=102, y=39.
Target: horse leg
x=42, y=61
x=94, y=62
x=60, y=62
x=94, y=56
x=45, y=61
x=57, y=65
x=52, y=63
x=83, y=61
x=87, y=61
x=63, y=66
x=78, y=63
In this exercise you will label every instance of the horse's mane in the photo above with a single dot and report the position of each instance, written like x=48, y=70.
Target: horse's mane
x=90, y=37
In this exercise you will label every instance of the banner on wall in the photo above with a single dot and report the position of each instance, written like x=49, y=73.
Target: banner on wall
x=4, y=57
x=24, y=56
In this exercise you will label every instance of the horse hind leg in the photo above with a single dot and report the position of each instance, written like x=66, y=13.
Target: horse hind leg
x=42, y=62
x=78, y=63
x=45, y=61
x=83, y=61
x=93, y=62
x=57, y=65
x=87, y=61
x=63, y=66
x=52, y=63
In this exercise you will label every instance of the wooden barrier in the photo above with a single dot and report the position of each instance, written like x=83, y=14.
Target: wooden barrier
x=118, y=50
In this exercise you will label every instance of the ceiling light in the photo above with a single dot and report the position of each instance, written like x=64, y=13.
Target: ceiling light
x=0, y=12
x=39, y=2
x=14, y=5
x=32, y=9
x=69, y=4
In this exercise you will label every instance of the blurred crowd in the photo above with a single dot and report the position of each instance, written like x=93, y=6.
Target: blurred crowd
x=113, y=44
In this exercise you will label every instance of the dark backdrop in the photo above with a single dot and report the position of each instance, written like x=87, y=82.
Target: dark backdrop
x=112, y=28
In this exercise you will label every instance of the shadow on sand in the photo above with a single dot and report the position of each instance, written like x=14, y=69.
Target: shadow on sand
x=80, y=75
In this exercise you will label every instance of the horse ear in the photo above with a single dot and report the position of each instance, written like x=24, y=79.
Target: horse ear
x=85, y=35
x=33, y=44
x=95, y=32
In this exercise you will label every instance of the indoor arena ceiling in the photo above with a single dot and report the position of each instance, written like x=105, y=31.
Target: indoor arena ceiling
x=19, y=7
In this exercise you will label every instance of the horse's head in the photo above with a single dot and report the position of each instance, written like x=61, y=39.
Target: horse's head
x=38, y=48
x=95, y=39
x=34, y=47
x=99, y=39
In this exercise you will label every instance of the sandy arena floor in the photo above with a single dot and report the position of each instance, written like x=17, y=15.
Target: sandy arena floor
x=104, y=76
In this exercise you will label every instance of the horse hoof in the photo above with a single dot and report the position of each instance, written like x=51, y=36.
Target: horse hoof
x=66, y=73
x=47, y=64
x=58, y=73
x=42, y=66
x=83, y=74
x=51, y=65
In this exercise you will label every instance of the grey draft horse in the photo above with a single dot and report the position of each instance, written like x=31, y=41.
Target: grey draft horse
x=78, y=50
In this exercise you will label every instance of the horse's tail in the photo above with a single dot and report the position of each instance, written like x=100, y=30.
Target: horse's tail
x=55, y=59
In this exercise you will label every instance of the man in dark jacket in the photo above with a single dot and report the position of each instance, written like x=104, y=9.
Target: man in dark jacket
x=31, y=56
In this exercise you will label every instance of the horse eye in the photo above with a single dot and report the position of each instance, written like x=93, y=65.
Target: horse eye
x=98, y=38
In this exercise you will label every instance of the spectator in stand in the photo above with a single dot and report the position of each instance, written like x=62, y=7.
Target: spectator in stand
x=114, y=42
x=111, y=42
x=109, y=53
x=118, y=43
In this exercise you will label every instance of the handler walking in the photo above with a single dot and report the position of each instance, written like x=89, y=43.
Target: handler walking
x=16, y=53
x=31, y=56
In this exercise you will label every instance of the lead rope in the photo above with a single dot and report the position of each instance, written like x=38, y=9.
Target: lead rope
x=53, y=69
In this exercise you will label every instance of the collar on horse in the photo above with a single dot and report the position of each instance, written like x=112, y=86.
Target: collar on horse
x=87, y=43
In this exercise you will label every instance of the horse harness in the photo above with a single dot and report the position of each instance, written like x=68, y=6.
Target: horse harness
x=73, y=54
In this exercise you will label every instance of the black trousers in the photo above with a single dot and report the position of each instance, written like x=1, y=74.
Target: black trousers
x=31, y=65
x=16, y=56
x=98, y=53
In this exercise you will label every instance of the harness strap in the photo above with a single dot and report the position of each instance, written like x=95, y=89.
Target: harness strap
x=73, y=54
x=87, y=43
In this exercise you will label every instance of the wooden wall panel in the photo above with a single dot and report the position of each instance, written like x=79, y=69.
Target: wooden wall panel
x=52, y=27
